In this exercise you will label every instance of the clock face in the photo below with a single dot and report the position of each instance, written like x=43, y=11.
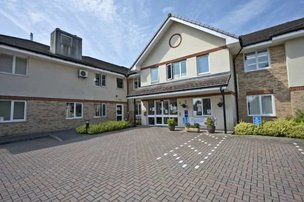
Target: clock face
x=175, y=40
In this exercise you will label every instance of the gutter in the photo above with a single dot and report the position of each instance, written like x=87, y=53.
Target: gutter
x=235, y=82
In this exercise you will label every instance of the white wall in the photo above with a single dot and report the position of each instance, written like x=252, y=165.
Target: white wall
x=295, y=61
x=55, y=80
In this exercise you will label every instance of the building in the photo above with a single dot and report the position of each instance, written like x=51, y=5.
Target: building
x=186, y=72
x=46, y=88
x=270, y=70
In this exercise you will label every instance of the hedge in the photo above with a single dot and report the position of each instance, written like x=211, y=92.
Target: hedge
x=277, y=128
x=103, y=127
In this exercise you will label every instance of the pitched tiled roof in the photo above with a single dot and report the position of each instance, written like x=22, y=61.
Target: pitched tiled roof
x=183, y=85
x=267, y=34
x=39, y=48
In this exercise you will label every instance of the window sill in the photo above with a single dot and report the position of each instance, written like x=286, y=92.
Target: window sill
x=204, y=74
x=257, y=70
x=99, y=117
x=267, y=116
x=11, y=74
x=13, y=121
x=73, y=118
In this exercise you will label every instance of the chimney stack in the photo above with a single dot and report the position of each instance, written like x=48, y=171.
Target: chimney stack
x=31, y=36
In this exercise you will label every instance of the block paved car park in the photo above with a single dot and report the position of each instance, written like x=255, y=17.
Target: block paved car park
x=153, y=164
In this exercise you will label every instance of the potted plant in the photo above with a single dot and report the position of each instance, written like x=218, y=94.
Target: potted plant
x=171, y=124
x=210, y=123
x=193, y=128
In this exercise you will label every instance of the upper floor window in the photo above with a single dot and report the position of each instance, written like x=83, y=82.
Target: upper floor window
x=176, y=70
x=154, y=75
x=119, y=82
x=100, y=80
x=100, y=110
x=202, y=64
x=13, y=64
x=201, y=107
x=262, y=105
x=136, y=82
x=74, y=110
x=12, y=111
x=257, y=60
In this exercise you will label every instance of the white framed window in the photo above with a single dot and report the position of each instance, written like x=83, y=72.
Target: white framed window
x=12, y=111
x=100, y=110
x=13, y=65
x=202, y=107
x=138, y=109
x=100, y=80
x=176, y=70
x=74, y=110
x=119, y=83
x=257, y=60
x=136, y=82
x=202, y=64
x=261, y=105
x=154, y=75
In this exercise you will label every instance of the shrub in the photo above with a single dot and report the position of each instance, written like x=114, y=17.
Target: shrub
x=299, y=116
x=210, y=121
x=244, y=128
x=296, y=131
x=171, y=122
x=102, y=127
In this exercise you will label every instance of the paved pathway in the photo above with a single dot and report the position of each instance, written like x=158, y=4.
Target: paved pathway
x=153, y=164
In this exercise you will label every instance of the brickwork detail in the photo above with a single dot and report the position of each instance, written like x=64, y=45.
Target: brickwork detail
x=297, y=100
x=45, y=116
x=274, y=78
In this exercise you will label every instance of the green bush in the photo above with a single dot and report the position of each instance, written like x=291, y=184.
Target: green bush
x=299, y=116
x=277, y=128
x=103, y=127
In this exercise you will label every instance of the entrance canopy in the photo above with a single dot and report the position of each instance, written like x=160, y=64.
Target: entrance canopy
x=186, y=87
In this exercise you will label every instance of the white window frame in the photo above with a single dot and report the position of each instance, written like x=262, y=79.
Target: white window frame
x=123, y=85
x=74, y=115
x=256, y=60
x=100, y=80
x=260, y=103
x=154, y=81
x=136, y=79
x=203, y=73
x=138, y=104
x=102, y=106
x=170, y=65
x=203, y=115
x=12, y=112
x=14, y=65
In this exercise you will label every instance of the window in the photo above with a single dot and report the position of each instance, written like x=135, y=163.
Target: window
x=136, y=82
x=13, y=64
x=119, y=83
x=173, y=107
x=176, y=70
x=100, y=110
x=201, y=107
x=74, y=110
x=256, y=60
x=262, y=105
x=138, y=109
x=11, y=111
x=100, y=80
x=154, y=75
x=202, y=64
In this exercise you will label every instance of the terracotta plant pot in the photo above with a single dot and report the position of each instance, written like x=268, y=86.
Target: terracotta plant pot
x=211, y=129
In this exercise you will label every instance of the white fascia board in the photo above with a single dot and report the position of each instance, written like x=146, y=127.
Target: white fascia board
x=58, y=60
x=229, y=39
x=276, y=39
x=176, y=93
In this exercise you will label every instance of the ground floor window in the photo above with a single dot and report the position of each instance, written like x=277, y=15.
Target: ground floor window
x=11, y=111
x=138, y=109
x=100, y=110
x=201, y=107
x=74, y=110
x=260, y=105
x=160, y=110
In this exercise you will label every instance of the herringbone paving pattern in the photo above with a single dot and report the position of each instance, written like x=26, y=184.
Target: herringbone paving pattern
x=153, y=164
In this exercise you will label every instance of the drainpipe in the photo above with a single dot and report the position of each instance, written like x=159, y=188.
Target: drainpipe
x=134, y=115
x=235, y=83
x=224, y=109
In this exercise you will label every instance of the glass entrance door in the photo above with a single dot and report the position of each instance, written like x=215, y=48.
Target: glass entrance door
x=160, y=110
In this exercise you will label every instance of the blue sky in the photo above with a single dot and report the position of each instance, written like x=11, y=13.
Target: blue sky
x=118, y=30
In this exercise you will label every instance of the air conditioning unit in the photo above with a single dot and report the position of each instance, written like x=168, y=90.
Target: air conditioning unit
x=83, y=73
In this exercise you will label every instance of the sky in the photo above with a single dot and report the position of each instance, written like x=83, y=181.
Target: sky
x=117, y=31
